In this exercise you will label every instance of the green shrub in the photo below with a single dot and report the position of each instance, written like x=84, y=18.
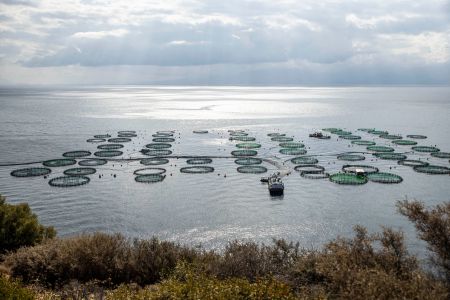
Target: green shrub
x=20, y=227
x=12, y=290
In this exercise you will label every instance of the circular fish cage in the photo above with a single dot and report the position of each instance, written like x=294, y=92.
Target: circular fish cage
x=350, y=137
x=163, y=140
x=76, y=154
x=244, y=152
x=304, y=160
x=390, y=156
x=197, y=169
x=404, y=142
x=341, y=133
x=378, y=132
x=351, y=157
x=441, y=154
x=200, y=131
x=154, y=161
x=158, y=146
x=80, y=171
x=273, y=134
x=428, y=149
x=126, y=132
x=238, y=133
x=96, y=140
x=417, y=136
x=242, y=138
x=30, y=172
x=380, y=149
x=150, y=178
x=365, y=129
x=332, y=129
x=60, y=162
x=108, y=153
x=309, y=168
x=383, y=177
x=292, y=151
x=165, y=132
x=127, y=135
x=363, y=143
x=252, y=169
x=110, y=146
x=365, y=168
x=199, y=161
x=412, y=162
x=149, y=171
x=248, y=145
x=69, y=181
x=162, y=135
x=119, y=140
x=92, y=162
x=281, y=139
x=102, y=136
x=248, y=161
x=432, y=169
x=314, y=175
x=348, y=178
x=391, y=137
x=160, y=152
x=291, y=145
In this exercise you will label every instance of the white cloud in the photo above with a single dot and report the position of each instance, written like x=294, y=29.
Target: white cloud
x=100, y=34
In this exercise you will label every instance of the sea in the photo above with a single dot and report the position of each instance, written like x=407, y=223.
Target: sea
x=209, y=210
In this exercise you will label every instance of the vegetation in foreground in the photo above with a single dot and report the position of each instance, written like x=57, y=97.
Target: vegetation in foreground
x=102, y=266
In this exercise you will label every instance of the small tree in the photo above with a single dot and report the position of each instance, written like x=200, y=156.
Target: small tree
x=20, y=227
x=433, y=226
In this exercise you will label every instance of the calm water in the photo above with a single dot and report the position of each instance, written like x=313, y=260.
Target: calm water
x=210, y=209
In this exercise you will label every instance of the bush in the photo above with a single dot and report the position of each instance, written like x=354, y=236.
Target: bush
x=20, y=227
x=433, y=226
x=12, y=290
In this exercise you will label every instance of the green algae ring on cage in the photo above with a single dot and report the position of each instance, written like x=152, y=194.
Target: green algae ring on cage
x=309, y=168
x=197, y=169
x=412, y=162
x=252, y=169
x=149, y=171
x=441, y=154
x=108, y=153
x=363, y=143
x=158, y=146
x=404, y=142
x=304, y=160
x=199, y=161
x=61, y=162
x=200, y=131
x=378, y=132
x=242, y=138
x=96, y=140
x=160, y=152
x=163, y=140
x=248, y=161
x=119, y=140
x=292, y=151
x=390, y=156
x=350, y=137
x=291, y=145
x=380, y=148
x=417, y=136
x=30, y=172
x=248, y=145
x=154, y=161
x=282, y=139
x=428, y=149
x=432, y=169
x=355, y=168
x=149, y=178
x=110, y=146
x=351, y=157
x=348, y=178
x=391, y=137
x=383, y=177
x=244, y=152
x=92, y=162
x=76, y=154
x=69, y=181
x=80, y=171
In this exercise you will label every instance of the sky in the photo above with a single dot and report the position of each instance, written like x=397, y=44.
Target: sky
x=225, y=42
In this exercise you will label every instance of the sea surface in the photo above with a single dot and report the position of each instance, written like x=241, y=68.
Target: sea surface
x=38, y=124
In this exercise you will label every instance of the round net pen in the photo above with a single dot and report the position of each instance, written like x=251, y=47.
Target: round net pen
x=200, y=131
x=291, y=145
x=93, y=162
x=154, y=161
x=428, y=149
x=119, y=140
x=380, y=149
x=412, y=162
x=441, y=154
x=62, y=162
x=309, y=168
x=350, y=137
x=149, y=178
x=314, y=175
x=383, y=177
x=96, y=140
x=161, y=152
x=69, y=181
x=404, y=142
x=110, y=146
x=304, y=160
x=248, y=145
x=281, y=139
x=80, y=171
x=149, y=171
x=242, y=138
x=158, y=146
x=31, y=172
x=102, y=136
x=292, y=151
x=378, y=132
x=391, y=137
x=244, y=153
x=108, y=153
x=417, y=136
x=348, y=179
x=248, y=161
x=432, y=169
x=356, y=168
x=197, y=169
x=351, y=157
x=363, y=143
x=163, y=140
x=77, y=154
x=390, y=156
x=199, y=161
x=252, y=169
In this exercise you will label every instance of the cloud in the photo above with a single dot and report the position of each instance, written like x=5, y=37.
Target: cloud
x=99, y=34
